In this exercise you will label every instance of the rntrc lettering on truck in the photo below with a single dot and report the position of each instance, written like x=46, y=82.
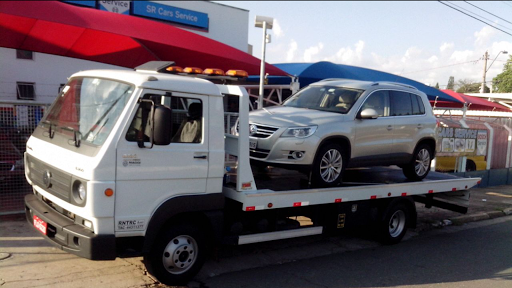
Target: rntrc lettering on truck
x=140, y=160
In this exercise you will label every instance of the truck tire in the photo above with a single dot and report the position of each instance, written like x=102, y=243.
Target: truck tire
x=328, y=166
x=420, y=163
x=394, y=226
x=177, y=255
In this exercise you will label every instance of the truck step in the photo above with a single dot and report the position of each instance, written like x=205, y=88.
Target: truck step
x=278, y=235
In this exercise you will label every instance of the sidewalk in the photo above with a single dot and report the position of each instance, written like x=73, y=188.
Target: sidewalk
x=27, y=260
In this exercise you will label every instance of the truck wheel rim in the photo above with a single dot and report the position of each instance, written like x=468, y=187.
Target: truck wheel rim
x=330, y=166
x=397, y=223
x=422, y=162
x=180, y=254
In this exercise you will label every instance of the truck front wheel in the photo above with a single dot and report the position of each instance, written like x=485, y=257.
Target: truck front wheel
x=177, y=255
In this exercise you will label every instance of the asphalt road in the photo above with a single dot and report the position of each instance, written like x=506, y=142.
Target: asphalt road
x=473, y=255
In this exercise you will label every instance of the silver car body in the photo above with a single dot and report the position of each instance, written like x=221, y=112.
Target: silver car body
x=386, y=140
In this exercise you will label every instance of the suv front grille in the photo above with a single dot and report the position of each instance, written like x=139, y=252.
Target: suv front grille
x=262, y=131
x=258, y=153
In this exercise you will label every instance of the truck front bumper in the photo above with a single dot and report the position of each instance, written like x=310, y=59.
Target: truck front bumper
x=67, y=235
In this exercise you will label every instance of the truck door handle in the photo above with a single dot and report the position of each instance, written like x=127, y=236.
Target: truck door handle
x=390, y=128
x=200, y=157
x=420, y=126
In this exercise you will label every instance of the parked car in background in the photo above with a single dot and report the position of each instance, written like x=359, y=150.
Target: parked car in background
x=11, y=162
x=339, y=123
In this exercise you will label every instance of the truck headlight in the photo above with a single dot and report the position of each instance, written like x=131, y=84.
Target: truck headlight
x=79, y=192
x=299, y=132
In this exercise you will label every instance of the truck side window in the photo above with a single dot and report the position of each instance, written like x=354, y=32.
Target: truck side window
x=186, y=123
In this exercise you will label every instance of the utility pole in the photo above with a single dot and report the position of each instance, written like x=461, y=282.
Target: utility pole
x=486, y=56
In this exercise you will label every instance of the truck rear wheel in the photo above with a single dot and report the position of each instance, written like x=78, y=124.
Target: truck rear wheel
x=394, y=226
x=177, y=255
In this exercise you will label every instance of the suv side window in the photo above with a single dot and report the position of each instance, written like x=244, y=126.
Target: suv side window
x=377, y=101
x=401, y=104
x=417, y=105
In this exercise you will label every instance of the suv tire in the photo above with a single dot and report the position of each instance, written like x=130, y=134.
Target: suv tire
x=419, y=166
x=328, y=166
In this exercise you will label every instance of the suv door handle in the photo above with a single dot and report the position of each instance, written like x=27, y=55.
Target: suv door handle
x=419, y=126
x=200, y=157
x=390, y=127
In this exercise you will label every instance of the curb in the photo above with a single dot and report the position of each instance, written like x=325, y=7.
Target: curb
x=480, y=216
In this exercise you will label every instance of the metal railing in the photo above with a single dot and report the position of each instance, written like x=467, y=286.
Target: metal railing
x=17, y=121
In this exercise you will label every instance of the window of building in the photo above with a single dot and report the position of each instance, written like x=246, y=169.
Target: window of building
x=25, y=91
x=24, y=54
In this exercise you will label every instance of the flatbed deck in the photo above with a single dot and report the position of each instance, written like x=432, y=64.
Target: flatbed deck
x=279, y=188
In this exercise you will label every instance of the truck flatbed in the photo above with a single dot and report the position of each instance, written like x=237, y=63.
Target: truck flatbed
x=281, y=188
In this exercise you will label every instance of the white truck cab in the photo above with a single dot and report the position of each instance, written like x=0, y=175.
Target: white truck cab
x=137, y=159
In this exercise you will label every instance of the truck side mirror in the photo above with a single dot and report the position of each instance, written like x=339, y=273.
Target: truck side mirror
x=162, y=125
x=368, y=113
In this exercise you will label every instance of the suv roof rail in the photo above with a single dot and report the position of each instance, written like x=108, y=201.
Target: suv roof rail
x=396, y=84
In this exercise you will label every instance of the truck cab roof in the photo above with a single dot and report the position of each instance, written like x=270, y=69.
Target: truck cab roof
x=157, y=81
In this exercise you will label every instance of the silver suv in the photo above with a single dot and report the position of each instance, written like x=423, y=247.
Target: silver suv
x=338, y=123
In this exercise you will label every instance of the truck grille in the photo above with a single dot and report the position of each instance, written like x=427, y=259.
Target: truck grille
x=60, y=180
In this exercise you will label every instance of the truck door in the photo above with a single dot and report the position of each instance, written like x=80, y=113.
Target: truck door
x=146, y=177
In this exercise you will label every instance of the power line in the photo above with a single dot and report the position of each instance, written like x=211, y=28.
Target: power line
x=473, y=61
x=475, y=18
x=504, y=27
x=488, y=12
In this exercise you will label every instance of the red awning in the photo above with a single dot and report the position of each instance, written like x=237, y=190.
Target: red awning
x=474, y=103
x=62, y=29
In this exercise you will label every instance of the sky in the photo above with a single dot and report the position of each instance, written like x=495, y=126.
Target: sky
x=422, y=40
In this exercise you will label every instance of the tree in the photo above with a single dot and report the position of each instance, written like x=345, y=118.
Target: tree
x=470, y=86
x=503, y=82
x=451, y=83
x=437, y=85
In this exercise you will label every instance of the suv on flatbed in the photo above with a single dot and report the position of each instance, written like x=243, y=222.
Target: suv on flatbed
x=339, y=123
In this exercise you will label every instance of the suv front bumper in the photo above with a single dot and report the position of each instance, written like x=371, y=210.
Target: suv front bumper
x=69, y=236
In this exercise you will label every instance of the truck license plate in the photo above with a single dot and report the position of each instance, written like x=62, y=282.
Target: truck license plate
x=253, y=144
x=40, y=224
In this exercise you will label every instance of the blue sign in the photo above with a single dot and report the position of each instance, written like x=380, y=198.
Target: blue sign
x=120, y=7
x=83, y=3
x=169, y=13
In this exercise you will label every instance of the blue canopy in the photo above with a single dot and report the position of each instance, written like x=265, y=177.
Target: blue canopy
x=313, y=72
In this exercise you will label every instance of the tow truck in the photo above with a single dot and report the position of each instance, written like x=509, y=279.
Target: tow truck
x=142, y=160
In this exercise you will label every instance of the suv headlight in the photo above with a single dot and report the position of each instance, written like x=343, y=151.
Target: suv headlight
x=299, y=132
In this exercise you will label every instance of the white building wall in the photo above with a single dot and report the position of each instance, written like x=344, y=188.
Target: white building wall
x=227, y=24
x=45, y=70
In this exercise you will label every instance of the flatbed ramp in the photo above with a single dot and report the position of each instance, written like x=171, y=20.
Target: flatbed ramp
x=279, y=188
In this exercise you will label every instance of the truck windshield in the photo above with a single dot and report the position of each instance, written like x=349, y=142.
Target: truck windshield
x=87, y=109
x=325, y=98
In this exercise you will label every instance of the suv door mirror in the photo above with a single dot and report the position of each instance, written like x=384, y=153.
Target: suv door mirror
x=368, y=113
x=162, y=125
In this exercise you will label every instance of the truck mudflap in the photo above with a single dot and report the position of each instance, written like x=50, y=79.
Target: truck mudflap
x=67, y=235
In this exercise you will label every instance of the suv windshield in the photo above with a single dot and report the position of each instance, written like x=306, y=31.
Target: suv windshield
x=87, y=109
x=325, y=98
